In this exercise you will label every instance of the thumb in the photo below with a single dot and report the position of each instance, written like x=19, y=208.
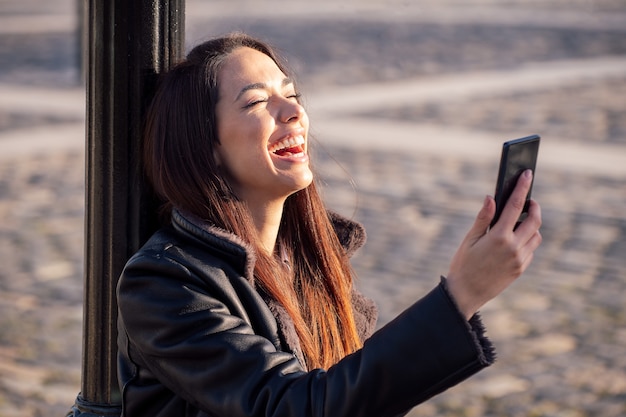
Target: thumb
x=483, y=219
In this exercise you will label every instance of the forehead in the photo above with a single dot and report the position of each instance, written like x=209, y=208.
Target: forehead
x=246, y=65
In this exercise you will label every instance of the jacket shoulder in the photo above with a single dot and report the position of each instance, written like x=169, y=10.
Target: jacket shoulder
x=350, y=233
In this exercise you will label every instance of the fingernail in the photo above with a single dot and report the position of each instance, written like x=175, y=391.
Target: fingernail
x=528, y=173
x=486, y=201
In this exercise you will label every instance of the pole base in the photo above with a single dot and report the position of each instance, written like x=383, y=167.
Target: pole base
x=84, y=408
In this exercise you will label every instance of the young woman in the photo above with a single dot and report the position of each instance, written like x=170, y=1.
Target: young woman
x=243, y=303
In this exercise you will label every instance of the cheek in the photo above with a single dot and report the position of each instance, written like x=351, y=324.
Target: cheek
x=243, y=140
x=242, y=153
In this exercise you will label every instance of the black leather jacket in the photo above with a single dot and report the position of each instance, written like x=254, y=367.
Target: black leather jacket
x=197, y=339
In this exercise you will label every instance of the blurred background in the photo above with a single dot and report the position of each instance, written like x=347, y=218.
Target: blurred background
x=409, y=104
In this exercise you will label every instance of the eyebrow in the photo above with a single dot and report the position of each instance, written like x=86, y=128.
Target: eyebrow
x=261, y=86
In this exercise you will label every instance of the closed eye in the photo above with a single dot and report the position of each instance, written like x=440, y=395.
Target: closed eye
x=255, y=102
x=295, y=95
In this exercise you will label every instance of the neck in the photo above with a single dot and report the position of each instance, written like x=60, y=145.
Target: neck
x=267, y=219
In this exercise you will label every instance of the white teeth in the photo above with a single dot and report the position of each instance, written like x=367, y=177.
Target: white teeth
x=287, y=143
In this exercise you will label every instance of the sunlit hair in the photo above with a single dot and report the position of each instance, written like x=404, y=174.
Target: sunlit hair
x=179, y=144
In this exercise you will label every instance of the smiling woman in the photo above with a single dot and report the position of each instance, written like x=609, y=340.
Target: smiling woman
x=224, y=173
x=243, y=304
x=260, y=124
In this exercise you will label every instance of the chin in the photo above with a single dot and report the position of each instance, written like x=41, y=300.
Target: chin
x=301, y=184
x=307, y=180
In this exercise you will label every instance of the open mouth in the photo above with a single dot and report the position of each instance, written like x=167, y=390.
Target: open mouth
x=293, y=146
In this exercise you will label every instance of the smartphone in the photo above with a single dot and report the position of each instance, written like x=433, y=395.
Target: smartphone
x=518, y=155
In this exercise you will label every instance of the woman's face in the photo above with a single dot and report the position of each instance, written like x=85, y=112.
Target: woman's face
x=262, y=129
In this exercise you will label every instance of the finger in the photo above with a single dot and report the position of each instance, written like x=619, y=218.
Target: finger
x=483, y=219
x=529, y=249
x=532, y=243
x=527, y=262
x=532, y=223
x=515, y=205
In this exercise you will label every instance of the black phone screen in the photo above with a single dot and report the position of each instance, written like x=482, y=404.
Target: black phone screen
x=517, y=156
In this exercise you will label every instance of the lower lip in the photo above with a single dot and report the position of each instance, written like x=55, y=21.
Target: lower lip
x=296, y=158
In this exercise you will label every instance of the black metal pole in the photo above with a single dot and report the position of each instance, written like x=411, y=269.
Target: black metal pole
x=129, y=43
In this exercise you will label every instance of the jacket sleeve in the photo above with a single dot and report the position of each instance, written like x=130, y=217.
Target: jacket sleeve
x=191, y=340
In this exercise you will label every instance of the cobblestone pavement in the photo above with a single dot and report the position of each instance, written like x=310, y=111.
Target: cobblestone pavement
x=414, y=173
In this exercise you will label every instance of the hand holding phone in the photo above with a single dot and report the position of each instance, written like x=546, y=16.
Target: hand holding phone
x=486, y=263
x=517, y=156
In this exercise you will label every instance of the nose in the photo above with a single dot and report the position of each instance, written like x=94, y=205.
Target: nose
x=291, y=111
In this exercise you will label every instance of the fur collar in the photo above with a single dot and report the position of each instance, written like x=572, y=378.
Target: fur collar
x=351, y=235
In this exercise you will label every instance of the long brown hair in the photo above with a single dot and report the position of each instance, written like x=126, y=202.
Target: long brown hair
x=179, y=143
